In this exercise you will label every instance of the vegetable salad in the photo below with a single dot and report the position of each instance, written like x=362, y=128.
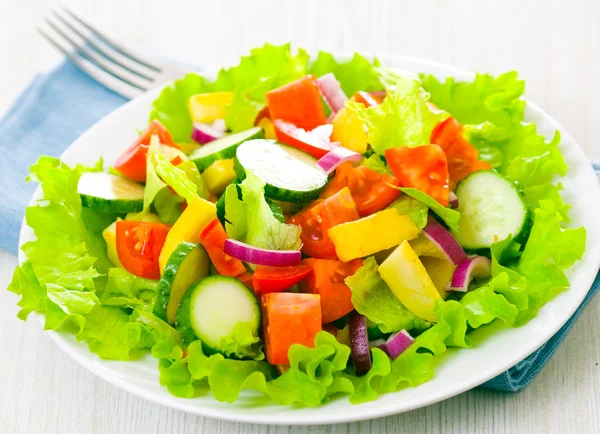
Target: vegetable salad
x=304, y=228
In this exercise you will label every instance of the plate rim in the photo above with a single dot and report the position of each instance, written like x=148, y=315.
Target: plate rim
x=183, y=404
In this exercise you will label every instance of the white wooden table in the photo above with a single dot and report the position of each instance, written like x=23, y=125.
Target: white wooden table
x=554, y=44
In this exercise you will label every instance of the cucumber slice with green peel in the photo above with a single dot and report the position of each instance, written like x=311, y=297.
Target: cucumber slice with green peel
x=290, y=174
x=188, y=263
x=223, y=148
x=212, y=308
x=110, y=193
x=491, y=209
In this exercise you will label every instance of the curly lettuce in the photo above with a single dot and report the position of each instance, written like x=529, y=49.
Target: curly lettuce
x=251, y=219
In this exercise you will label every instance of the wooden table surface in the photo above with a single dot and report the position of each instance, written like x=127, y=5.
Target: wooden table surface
x=553, y=43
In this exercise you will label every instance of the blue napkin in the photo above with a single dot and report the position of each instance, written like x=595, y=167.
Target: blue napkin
x=57, y=107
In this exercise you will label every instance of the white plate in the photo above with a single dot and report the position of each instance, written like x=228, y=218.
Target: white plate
x=460, y=370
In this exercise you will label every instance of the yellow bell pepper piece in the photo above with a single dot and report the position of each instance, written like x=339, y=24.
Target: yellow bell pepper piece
x=188, y=226
x=268, y=127
x=208, y=107
x=349, y=130
x=408, y=279
x=372, y=234
x=219, y=175
x=440, y=271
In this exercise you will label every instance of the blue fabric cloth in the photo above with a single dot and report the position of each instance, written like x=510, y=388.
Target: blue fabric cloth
x=57, y=107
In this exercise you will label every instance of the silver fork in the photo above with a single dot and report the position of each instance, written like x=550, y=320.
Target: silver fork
x=119, y=68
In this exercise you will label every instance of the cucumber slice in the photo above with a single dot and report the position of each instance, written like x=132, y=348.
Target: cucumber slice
x=110, y=193
x=223, y=148
x=491, y=209
x=290, y=174
x=212, y=307
x=188, y=263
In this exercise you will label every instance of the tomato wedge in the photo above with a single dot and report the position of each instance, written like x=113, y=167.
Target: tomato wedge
x=461, y=155
x=298, y=102
x=132, y=163
x=316, y=221
x=422, y=167
x=213, y=238
x=139, y=245
x=370, y=190
x=315, y=142
x=327, y=280
x=277, y=279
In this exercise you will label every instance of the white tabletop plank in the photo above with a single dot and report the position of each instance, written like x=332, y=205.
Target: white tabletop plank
x=553, y=44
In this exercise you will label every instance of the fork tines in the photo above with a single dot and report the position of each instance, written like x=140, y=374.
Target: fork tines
x=107, y=61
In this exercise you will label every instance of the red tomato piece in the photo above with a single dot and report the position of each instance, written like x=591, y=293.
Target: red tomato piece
x=317, y=219
x=289, y=319
x=213, y=238
x=370, y=190
x=277, y=279
x=139, y=245
x=132, y=163
x=315, y=142
x=461, y=155
x=422, y=167
x=298, y=102
x=327, y=280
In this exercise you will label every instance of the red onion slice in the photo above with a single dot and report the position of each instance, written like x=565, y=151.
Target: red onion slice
x=332, y=92
x=453, y=200
x=444, y=241
x=205, y=133
x=338, y=155
x=255, y=255
x=397, y=344
x=475, y=267
x=359, y=344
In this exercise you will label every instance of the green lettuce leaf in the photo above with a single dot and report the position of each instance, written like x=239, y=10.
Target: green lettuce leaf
x=109, y=332
x=376, y=163
x=355, y=74
x=193, y=174
x=59, y=277
x=548, y=252
x=403, y=119
x=243, y=341
x=174, y=177
x=374, y=299
x=489, y=140
x=449, y=215
x=252, y=221
x=126, y=290
x=485, y=99
x=530, y=160
x=414, y=208
x=547, y=197
x=171, y=106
